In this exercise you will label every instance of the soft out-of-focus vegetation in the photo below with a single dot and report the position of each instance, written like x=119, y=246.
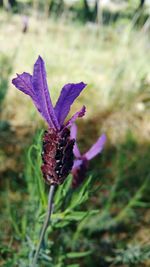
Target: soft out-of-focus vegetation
x=109, y=50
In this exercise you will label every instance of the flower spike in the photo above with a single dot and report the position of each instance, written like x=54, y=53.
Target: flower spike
x=58, y=145
x=57, y=154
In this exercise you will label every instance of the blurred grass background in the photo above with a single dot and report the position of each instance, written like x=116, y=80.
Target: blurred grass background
x=111, y=55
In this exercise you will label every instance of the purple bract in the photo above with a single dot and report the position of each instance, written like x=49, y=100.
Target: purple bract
x=80, y=165
x=57, y=152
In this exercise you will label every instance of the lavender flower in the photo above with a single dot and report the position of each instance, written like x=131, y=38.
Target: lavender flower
x=81, y=162
x=57, y=152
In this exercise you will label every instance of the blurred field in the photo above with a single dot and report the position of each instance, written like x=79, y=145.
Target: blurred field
x=115, y=65
x=114, y=61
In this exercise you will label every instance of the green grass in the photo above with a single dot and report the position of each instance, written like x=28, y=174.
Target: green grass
x=114, y=200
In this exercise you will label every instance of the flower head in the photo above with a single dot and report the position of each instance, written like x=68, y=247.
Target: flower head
x=57, y=152
x=81, y=162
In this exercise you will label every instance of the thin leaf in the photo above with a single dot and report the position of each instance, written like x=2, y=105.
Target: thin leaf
x=73, y=255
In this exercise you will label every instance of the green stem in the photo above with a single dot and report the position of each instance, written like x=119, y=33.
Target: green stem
x=45, y=225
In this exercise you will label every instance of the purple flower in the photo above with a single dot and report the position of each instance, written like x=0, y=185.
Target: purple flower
x=57, y=152
x=81, y=162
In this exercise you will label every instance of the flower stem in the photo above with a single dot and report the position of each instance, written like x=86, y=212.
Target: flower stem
x=45, y=225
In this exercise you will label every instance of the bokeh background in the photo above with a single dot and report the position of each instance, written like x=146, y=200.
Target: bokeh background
x=105, y=44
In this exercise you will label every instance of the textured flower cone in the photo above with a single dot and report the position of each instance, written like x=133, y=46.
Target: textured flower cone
x=57, y=155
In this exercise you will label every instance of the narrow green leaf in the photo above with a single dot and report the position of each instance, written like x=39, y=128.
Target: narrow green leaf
x=76, y=215
x=62, y=191
x=73, y=265
x=72, y=255
x=61, y=224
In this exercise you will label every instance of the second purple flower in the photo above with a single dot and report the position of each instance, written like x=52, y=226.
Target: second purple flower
x=81, y=161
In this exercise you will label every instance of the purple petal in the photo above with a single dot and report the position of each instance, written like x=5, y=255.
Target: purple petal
x=42, y=94
x=78, y=114
x=73, y=131
x=77, y=163
x=36, y=87
x=68, y=94
x=73, y=135
x=24, y=83
x=96, y=148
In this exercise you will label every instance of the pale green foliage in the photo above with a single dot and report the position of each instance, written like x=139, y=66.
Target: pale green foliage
x=133, y=255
